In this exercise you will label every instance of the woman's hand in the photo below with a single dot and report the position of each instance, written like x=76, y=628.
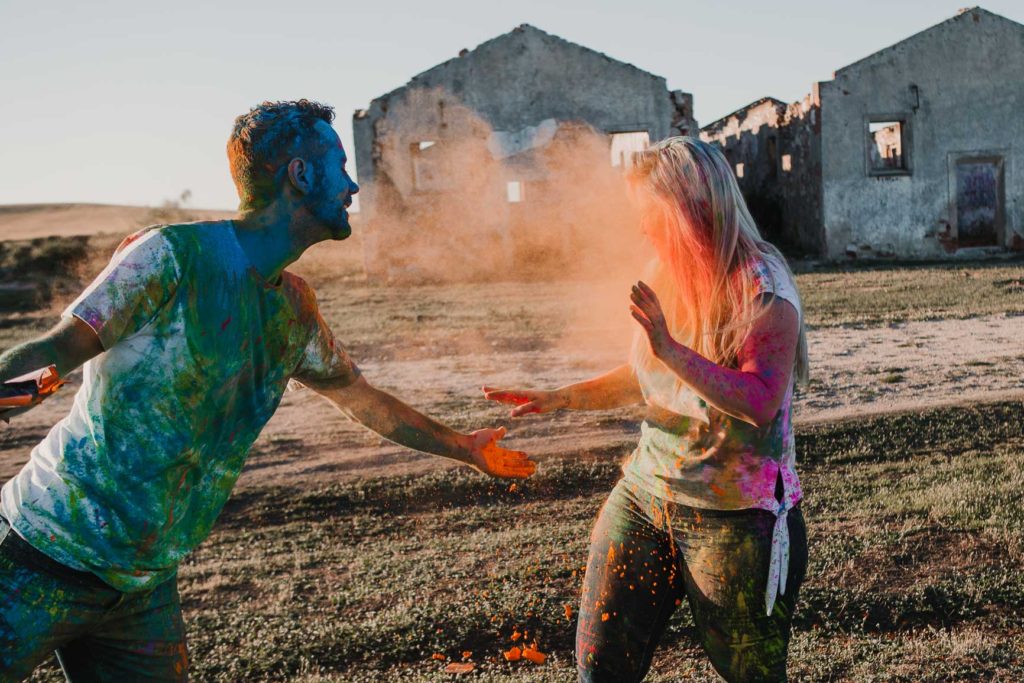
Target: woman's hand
x=490, y=458
x=646, y=310
x=527, y=401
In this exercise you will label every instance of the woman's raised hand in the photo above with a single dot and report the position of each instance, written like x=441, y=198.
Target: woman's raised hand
x=527, y=401
x=646, y=310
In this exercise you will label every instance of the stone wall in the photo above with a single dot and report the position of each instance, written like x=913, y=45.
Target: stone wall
x=958, y=91
x=508, y=86
x=775, y=153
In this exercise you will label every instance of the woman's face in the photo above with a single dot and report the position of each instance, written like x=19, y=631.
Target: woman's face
x=652, y=219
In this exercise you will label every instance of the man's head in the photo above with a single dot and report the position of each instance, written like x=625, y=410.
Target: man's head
x=290, y=149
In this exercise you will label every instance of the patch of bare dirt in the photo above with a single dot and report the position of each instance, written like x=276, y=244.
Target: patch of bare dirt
x=856, y=372
x=916, y=557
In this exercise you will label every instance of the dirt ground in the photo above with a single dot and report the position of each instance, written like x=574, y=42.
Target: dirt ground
x=908, y=439
x=880, y=340
x=856, y=371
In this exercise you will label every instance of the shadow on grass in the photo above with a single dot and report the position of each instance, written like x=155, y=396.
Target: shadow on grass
x=445, y=489
x=367, y=580
x=899, y=436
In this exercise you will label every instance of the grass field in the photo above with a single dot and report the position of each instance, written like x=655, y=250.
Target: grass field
x=883, y=294
x=371, y=314
x=916, y=530
x=916, y=537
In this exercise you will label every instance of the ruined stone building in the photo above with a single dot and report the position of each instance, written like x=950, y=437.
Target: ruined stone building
x=915, y=151
x=481, y=153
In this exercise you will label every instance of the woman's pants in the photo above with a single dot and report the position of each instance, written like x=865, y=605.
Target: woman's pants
x=648, y=554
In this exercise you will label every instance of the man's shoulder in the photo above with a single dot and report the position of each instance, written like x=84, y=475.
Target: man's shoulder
x=148, y=232
x=296, y=287
x=301, y=294
x=185, y=240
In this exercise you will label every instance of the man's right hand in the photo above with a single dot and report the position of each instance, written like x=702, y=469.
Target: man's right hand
x=402, y=424
x=21, y=394
x=527, y=401
x=65, y=347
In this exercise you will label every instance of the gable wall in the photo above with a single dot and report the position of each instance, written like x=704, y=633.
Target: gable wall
x=969, y=74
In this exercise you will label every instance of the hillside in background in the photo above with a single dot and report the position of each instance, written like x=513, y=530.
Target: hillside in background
x=49, y=251
x=29, y=221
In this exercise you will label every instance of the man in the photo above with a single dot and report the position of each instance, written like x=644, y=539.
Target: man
x=194, y=332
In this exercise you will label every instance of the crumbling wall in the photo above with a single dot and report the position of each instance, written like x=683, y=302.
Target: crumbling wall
x=749, y=139
x=443, y=208
x=799, y=178
x=683, y=122
x=436, y=191
x=506, y=86
x=773, y=149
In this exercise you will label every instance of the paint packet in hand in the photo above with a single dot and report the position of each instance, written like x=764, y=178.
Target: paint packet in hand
x=19, y=394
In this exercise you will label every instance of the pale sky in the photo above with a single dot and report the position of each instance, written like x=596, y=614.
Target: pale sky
x=131, y=102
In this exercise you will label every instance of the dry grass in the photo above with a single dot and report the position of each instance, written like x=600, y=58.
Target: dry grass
x=912, y=577
x=883, y=294
x=915, y=522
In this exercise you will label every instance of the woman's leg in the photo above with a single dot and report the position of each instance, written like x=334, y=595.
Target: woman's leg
x=726, y=557
x=632, y=586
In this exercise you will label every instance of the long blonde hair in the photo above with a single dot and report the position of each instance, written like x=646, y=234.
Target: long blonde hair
x=706, y=241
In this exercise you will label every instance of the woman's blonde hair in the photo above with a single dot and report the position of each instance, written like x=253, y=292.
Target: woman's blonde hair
x=707, y=242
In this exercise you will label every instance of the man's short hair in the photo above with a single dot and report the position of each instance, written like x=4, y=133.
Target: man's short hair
x=267, y=137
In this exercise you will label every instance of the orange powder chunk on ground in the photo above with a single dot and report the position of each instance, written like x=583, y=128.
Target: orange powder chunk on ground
x=605, y=616
x=459, y=668
x=438, y=656
x=513, y=655
x=516, y=635
x=534, y=655
x=568, y=611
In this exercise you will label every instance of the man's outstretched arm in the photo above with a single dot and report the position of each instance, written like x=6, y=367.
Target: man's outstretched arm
x=68, y=345
x=402, y=424
x=138, y=281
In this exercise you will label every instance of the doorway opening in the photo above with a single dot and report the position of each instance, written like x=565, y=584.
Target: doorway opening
x=980, y=200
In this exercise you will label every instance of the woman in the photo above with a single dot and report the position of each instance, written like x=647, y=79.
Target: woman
x=707, y=507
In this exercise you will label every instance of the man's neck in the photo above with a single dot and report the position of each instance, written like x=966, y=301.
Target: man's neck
x=273, y=238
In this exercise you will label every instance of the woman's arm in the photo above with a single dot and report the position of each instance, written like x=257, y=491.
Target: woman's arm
x=755, y=390
x=613, y=389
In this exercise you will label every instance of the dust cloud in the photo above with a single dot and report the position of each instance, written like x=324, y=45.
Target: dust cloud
x=455, y=201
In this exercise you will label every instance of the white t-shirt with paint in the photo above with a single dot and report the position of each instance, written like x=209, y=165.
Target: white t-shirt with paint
x=711, y=460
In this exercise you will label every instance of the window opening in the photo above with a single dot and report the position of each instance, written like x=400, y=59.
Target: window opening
x=625, y=146
x=887, y=147
x=427, y=174
x=515, y=192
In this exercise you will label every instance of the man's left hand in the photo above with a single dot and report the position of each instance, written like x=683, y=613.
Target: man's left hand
x=490, y=458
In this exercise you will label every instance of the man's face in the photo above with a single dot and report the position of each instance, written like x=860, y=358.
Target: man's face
x=334, y=188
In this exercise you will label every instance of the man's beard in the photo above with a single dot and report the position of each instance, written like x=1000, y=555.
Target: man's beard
x=331, y=214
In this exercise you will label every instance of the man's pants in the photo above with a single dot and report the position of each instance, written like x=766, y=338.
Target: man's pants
x=648, y=556
x=97, y=632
